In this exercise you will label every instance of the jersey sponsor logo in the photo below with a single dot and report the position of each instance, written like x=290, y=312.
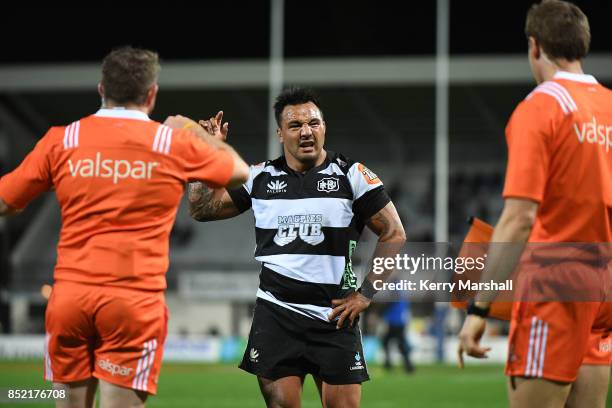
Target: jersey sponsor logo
x=357, y=365
x=254, y=355
x=111, y=169
x=349, y=280
x=328, y=184
x=308, y=227
x=605, y=346
x=594, y=132
x=369, y=176
x=276, y=186
x=114, y=369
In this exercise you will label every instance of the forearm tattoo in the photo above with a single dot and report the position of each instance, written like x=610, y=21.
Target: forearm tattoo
x=202, y=204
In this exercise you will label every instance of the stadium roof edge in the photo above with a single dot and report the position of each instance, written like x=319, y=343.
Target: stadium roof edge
x=320, y=72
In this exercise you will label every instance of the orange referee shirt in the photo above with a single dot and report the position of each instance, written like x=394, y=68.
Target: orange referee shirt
x=119, y=178
x=559, y=154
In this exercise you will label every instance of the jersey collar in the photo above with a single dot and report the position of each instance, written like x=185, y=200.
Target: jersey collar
x=588, y=79
x=122, y=113
x=281, y=163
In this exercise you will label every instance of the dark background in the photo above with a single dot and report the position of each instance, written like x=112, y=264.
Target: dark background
x=239, y=29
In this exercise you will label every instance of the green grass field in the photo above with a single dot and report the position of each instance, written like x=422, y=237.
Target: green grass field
x=221, y=386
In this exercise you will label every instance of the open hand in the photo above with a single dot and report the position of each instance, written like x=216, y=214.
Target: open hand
x=214, y=127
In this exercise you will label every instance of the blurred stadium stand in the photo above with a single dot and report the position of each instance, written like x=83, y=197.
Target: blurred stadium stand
x=389, y=127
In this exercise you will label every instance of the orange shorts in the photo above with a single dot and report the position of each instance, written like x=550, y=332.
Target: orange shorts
x=113, y=334
x=600, y=348
x=552, y=340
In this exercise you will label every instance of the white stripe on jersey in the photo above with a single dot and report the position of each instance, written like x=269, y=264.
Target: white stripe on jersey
x=163, y=139
x=320, y=312
x=157, y=136
x=554, y=95
x=336, y=212
x=76, y=133
x=66, y=133
x=71, y=135
x=557, y=91
x=274, y=171
x=255, y=171
x=358, y=181
x=168, y=142
x=326, y=269
x=332, y=169
x=566, y=96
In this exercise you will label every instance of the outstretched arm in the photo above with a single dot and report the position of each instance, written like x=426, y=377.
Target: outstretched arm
x=215, y=135
x=210, y=204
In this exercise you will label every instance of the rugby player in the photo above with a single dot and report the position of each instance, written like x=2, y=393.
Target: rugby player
x=310, y=207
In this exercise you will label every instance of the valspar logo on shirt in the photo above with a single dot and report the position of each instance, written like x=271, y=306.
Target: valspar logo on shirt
x=594, y=133
x=112, y=169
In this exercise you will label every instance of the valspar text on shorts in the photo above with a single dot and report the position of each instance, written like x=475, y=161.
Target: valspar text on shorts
x=113, y=169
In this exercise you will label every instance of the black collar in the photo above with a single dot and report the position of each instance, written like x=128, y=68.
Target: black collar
x=281, y=164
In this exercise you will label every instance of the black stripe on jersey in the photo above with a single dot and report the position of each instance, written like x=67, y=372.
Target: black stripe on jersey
x=241, y=198
x=370, y=203
x=291, y=290
x=334, y=243
x=292, y=186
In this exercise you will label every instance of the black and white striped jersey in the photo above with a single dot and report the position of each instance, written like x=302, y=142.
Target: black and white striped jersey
x=307, y=226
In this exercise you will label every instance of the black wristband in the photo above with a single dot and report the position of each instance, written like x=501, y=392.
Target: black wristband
x=472, y=309
x=367, y=289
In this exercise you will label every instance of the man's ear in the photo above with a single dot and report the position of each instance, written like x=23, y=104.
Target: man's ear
x=279, y=134
x=534, y=48
x=151, y=97
x=152, y=94
x=101, y=90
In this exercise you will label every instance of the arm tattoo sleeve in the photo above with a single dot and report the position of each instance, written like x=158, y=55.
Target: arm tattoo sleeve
x=203, y=205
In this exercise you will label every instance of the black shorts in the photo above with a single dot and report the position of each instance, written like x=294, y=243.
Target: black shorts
x=284, y=343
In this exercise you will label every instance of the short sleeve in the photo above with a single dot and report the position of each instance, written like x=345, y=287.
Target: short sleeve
x=31, y=178
x=369, y=195
x=528, y=136
x=203, y=162
x=241, y=196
